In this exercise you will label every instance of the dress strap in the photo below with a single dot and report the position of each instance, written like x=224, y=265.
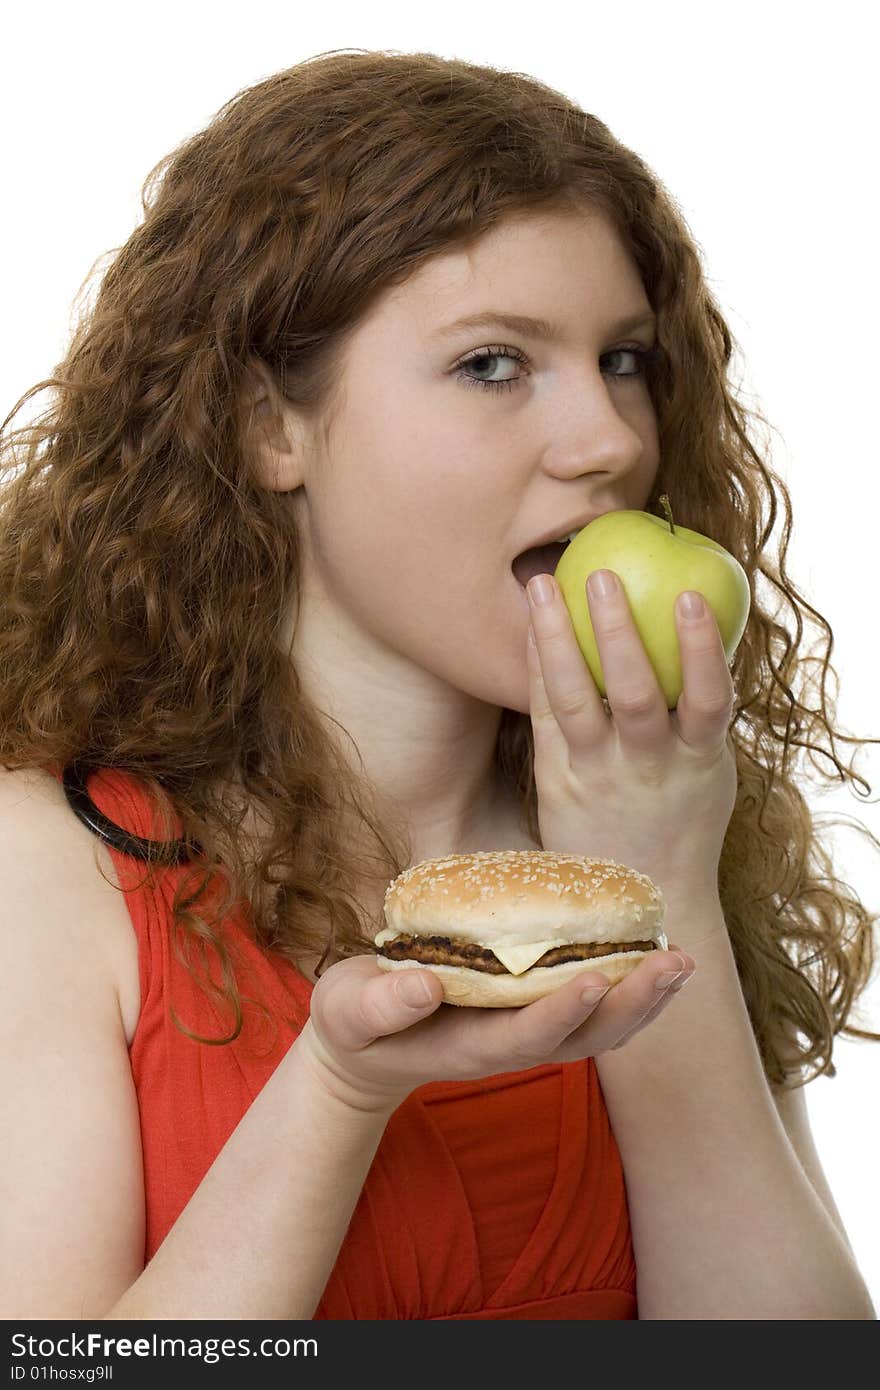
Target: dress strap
x=75, y=778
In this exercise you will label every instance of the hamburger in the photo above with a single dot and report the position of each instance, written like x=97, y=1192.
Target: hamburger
x=501, y=928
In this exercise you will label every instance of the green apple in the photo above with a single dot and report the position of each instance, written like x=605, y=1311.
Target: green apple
x=655, y=561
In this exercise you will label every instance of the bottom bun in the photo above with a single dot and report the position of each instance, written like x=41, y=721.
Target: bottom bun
x=477, y=989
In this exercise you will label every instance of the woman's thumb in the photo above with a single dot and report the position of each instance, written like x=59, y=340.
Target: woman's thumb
x=355, y=1002
x=394, y=1000
x=415, y=989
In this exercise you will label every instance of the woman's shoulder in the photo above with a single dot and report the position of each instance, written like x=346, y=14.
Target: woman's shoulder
x=57, y=857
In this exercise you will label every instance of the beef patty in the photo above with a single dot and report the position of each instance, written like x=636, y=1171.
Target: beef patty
x=440, y=950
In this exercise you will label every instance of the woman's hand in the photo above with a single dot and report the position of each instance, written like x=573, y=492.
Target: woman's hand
x=650, y=789
x=369, y=1044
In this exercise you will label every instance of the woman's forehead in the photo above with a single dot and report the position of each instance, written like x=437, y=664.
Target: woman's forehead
x=498, y=273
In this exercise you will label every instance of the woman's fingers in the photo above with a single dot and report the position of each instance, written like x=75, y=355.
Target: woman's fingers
x=631, y=685
x=565, y=695
x=646, y=998
x=706, y=704
x=663, y=999
x=563, y=689
x=542, y=1029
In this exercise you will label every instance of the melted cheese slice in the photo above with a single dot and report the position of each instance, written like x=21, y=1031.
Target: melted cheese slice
x=520, y=958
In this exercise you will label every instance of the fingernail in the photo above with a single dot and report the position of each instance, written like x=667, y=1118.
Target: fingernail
x=540, y=589
x=591, y=994
x=691, y=605
x=688, y=975
x=601, y=584
x=414, y=990
x=667, y=979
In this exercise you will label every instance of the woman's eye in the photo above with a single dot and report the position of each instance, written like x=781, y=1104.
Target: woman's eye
x=644, y=357
x=487, y=360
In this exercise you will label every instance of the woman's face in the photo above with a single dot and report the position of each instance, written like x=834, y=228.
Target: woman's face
x=433, y=475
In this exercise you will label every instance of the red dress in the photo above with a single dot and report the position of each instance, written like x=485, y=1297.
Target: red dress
x=497, y=1198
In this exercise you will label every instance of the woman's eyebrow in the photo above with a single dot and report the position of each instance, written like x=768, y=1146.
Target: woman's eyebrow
x=533, y=328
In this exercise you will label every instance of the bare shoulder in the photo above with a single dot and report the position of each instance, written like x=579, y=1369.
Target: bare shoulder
x=70, y=864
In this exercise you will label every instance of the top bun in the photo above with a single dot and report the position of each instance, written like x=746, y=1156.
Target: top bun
x=511, y=896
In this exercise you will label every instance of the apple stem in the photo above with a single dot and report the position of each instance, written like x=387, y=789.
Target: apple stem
x=664, y=503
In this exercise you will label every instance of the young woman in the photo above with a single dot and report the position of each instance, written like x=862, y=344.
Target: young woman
x=389, y=322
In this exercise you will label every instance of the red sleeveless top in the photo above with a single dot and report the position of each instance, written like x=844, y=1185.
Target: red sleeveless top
x=497, y=1198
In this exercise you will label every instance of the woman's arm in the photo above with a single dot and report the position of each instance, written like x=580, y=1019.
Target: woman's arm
x=791, y=1107
x=725, y=1222
x=260, y=1235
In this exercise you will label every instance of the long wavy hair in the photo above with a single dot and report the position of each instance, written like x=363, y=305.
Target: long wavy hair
x=145, y=573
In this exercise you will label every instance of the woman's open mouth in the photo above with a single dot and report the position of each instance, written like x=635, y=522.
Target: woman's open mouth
x=540, y=559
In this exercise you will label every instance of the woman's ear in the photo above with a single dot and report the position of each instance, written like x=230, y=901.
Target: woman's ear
x=277, y=433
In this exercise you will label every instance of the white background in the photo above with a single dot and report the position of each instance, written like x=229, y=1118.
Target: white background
x=759, y=120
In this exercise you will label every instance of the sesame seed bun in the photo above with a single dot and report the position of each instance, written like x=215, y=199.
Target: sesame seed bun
x=453, y=916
